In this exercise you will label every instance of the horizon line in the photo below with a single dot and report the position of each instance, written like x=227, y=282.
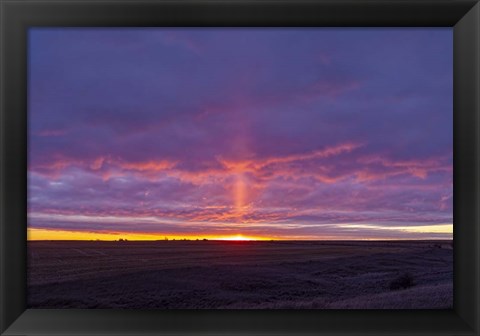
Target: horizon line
x=244, y=240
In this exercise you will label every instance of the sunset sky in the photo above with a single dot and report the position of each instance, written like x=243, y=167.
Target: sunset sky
x=257, y=133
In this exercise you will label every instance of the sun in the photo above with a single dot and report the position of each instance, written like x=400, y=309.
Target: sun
x=237, y=237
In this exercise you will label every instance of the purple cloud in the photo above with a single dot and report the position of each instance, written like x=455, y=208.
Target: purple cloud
x=277, y=132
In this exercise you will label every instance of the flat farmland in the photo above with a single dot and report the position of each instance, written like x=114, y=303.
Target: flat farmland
x=240, y=274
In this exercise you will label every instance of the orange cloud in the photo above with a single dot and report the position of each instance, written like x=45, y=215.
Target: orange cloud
x=148, y=166
x=234, y=174
x=418, y=168
x=254, y=165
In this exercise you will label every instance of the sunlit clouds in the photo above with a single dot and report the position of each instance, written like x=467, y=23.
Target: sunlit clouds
x=247, y=133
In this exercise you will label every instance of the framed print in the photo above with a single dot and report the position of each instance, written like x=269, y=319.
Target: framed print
x=217, y=167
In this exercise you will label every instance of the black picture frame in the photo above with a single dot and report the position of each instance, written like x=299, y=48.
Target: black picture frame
x=16, y=16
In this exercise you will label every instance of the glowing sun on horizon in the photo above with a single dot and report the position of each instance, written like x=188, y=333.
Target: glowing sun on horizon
x=238, y=237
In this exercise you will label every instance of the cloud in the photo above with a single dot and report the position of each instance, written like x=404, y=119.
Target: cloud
x=288, y=130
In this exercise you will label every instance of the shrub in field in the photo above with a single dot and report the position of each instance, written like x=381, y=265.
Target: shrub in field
x=403, y=281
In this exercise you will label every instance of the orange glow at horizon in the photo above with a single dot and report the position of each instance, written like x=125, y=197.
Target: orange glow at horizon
x=49, y=234
x=44, y=234
x=240, y=237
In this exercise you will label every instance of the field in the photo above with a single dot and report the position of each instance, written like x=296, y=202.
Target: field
x=240, y=275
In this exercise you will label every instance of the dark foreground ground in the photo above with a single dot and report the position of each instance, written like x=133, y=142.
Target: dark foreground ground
x=214, y=274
